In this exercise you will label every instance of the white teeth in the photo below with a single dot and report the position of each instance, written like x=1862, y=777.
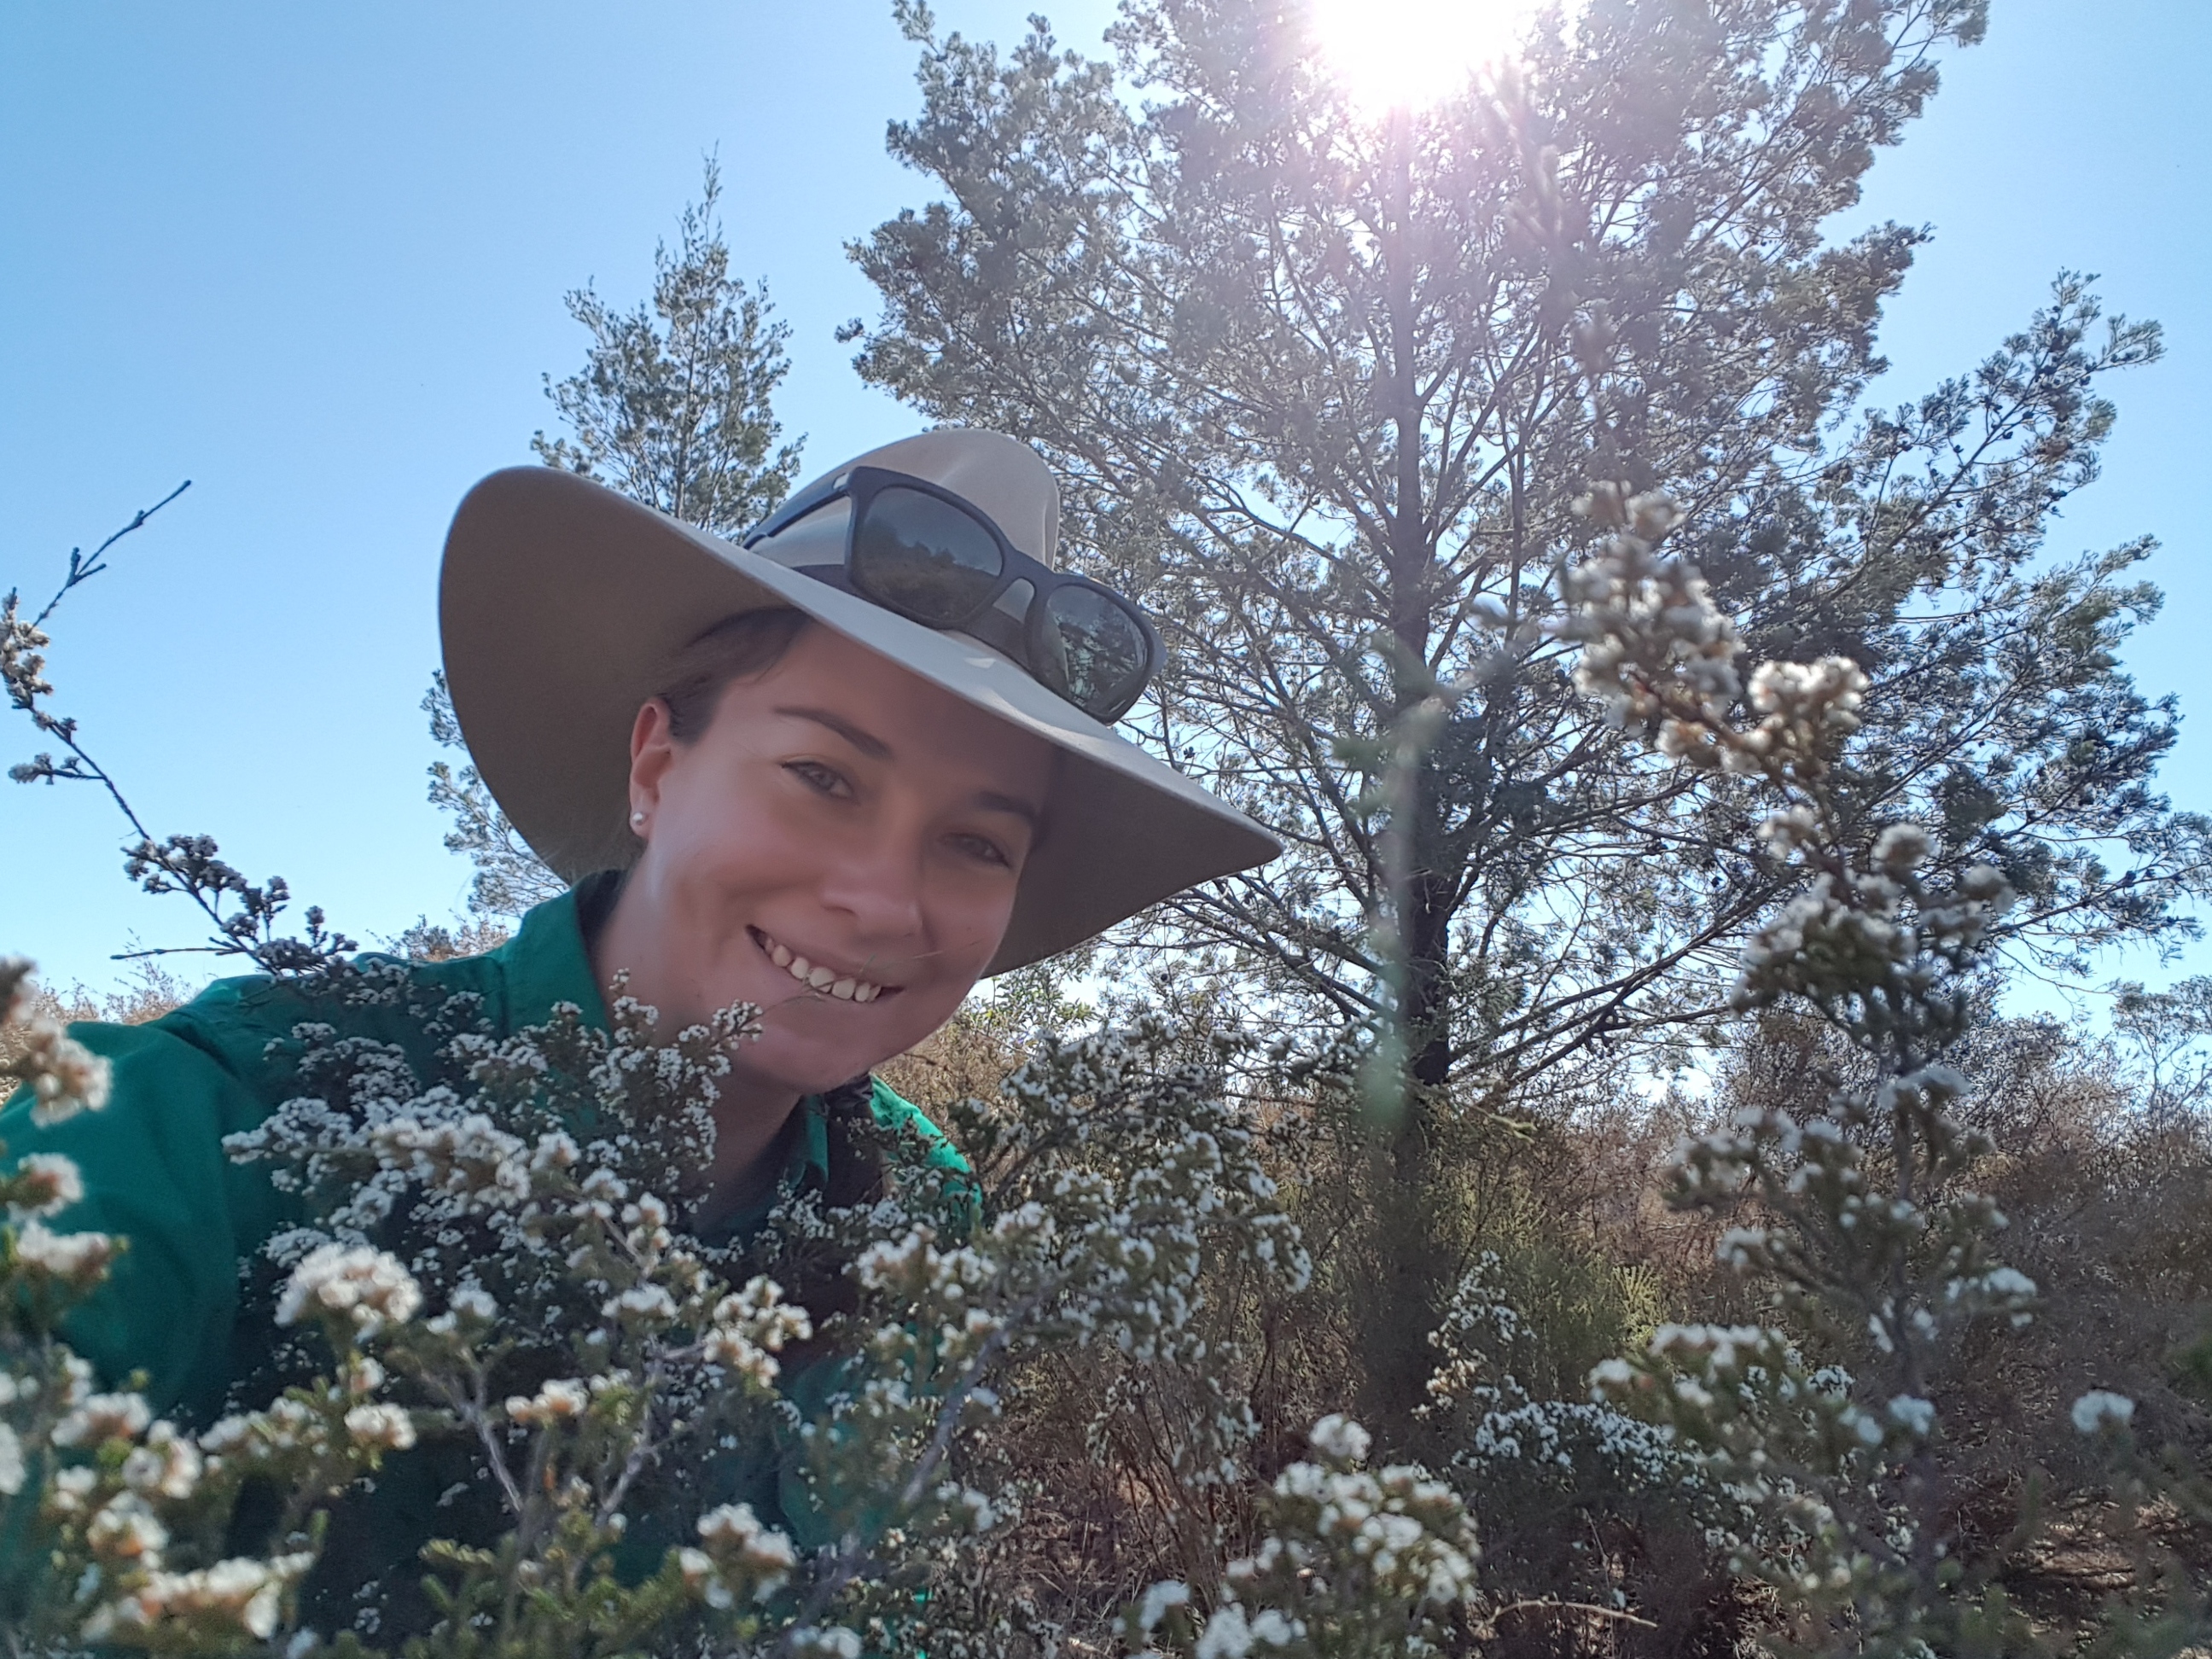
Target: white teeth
x=846, y=989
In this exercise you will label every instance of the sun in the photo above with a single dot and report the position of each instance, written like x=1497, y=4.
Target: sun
x=1393, y=54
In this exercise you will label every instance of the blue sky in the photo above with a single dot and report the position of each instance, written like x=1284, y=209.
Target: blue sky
x=312, y=257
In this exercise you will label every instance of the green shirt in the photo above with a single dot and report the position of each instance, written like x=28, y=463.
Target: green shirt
x=155, y=1173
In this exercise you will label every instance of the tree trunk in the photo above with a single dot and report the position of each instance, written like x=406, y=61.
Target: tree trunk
x=1406, y=1249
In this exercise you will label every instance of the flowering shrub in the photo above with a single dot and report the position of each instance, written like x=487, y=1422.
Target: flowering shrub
x=1858, y=1218
x=1354, y=1562
x=133, y=1511
x=1572, y=1494
x=487, y=1279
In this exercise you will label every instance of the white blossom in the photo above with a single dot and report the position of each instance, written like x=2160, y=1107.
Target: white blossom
x=1157, y=1600
x=1916, y=1416
x=745, y=1549
x=236, y=1598
x=381, y=1427
x=1341, y=1440
x=77, y=1259
x=126, y=1530
x=1902, y=848
x=827, y=1642
x=562, y=1400
x=369, y=1288
x=2100, y=1409
x=65, y=1077
x=46, y=1184
x=102, y=1418
x=11, y=1462
x=167, y=1465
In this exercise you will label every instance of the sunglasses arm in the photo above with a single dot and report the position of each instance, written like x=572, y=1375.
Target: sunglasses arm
x=795, y=509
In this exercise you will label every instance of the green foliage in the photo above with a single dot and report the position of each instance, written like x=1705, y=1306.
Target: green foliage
x=1324, y=390
x=672, y=405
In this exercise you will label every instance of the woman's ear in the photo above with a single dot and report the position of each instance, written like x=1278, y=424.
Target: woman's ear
x=652, y=750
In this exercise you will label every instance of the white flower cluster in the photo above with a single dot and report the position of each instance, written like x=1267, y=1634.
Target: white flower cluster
x=123, y=1487
x=1777, y=1435
x=751, y=1327
x=354, y=1288
x=1875, y=931
x=2100, y=1409
x=67, y=1261
x=824, y=1642
x=739, y=1559
x=1354, y=1561
x=102, y=1418
x=563, y=1399
x=1863, y=1216
x=1511, y=1451
x=380, y=1428
x=1651, y=635
x=617, y=1356
x=1656, y=649
x=236, y=1598
x=1804, y=710
x=1120, y=1178
x=43, y=1184
x=467, y=1157
x=65, y=1077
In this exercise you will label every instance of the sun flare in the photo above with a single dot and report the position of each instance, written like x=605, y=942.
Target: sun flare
x=1407, y=54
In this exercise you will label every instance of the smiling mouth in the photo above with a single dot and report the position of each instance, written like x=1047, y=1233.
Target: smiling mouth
x=815, y=977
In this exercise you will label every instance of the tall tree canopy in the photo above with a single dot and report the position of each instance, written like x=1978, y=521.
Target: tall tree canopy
x=1326, y=388
x=672, y=405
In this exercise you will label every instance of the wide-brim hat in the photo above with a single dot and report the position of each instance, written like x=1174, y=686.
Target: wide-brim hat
x=562, y=605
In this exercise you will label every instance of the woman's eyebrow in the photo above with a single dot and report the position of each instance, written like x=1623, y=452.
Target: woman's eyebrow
x=866, y=742
x=990, y=800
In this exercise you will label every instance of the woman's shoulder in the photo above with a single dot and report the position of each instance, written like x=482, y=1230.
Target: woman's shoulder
x=253, y=1025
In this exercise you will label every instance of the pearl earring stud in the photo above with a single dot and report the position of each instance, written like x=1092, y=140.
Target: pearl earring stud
x=637, y=820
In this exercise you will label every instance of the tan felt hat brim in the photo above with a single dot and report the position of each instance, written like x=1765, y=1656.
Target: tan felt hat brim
x=562, y=606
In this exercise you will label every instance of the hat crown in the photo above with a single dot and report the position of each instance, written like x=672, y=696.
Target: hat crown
x=1001, y=475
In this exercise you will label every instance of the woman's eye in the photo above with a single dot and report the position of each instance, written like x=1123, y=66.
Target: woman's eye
x=824, y=780
x=984, y=849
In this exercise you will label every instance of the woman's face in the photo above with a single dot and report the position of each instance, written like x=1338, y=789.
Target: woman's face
x=840, y=847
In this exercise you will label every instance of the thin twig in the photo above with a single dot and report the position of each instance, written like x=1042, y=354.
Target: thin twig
x=82, y=568
x=1545, y=1604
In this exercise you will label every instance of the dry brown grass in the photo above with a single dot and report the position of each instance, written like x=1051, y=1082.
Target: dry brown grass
x=151, y=992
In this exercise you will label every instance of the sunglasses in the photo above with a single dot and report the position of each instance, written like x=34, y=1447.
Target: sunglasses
x=917, y=549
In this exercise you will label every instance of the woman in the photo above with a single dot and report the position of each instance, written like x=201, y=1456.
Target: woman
x=840, y=772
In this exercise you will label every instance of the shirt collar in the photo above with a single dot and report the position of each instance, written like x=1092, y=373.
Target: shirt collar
x=547, y=964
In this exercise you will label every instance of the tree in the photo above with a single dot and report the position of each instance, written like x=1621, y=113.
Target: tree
x=1325, y=390
x=510, y=878
x=672, y=405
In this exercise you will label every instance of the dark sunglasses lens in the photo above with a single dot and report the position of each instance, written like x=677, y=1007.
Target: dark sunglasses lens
x=924, y=557
x=1102, y=658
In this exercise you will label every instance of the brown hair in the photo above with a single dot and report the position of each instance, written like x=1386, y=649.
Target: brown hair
x=735, y=649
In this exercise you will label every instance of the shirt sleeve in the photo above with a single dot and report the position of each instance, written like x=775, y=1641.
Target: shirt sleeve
x=155, y=1174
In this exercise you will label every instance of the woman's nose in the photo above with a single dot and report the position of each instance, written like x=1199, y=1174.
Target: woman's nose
x=879, y=886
